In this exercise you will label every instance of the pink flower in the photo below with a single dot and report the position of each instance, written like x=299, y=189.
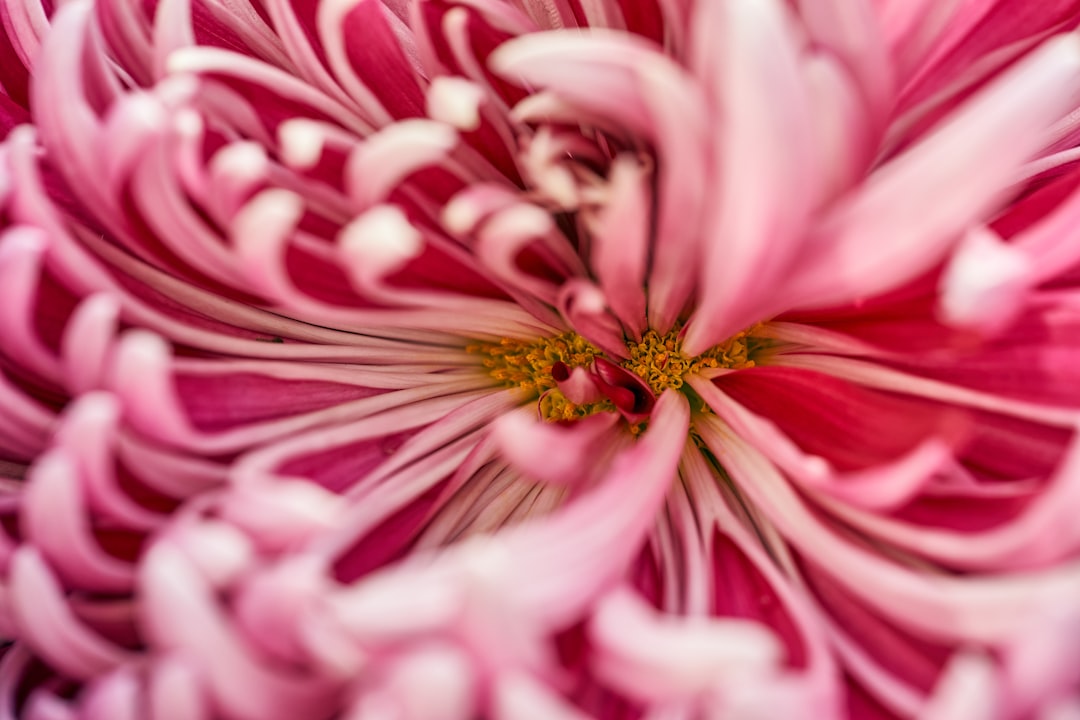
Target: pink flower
x=539, y=359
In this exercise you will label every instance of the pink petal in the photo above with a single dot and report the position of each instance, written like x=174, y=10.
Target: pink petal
x=620, y=243
x=519, y=697
x=985, y=283
x=113, y=697
x=651, y=658
x=180, y=613
x=526, y=443
x=644, y=92
x=53, y=518
x=762, y=153
x=901, y=204
x=47, y=624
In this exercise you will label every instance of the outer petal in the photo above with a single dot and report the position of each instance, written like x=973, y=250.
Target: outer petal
x=901, y=205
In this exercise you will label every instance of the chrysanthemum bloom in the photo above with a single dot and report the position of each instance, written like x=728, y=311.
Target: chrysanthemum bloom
x=539, y=359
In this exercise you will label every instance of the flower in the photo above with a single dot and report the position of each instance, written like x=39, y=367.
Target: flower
x=445, y=359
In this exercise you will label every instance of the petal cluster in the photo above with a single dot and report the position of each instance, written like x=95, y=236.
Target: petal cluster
x=539, y=359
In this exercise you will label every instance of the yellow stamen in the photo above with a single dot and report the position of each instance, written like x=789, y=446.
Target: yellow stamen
x=527, y=367
x=658, y=360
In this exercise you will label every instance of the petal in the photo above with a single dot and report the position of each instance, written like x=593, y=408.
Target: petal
x=813, y=409
x=114, y=696
x=976, y=150
x=965, y=692
x=763, y=153
x=527, y=443
x=519, y=697
x=620, y=243
x=580, y=550
x=47, y=624
x=179, y=612
x=646, y=93
x=651, y=658
x=953, y=609
x=879, y=487
x=54, y=519
x=985, y=283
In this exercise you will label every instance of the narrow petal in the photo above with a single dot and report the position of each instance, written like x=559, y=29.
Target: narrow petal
x=763, y=153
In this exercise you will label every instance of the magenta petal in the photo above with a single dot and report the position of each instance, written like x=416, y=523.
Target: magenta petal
x=631, y=395
x=802, y=403
x=375, y=54
x=218, y=401
x=986, y=26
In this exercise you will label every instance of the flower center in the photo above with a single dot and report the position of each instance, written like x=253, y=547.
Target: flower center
x=659, y=360
x=527, y=366
x=537, y=368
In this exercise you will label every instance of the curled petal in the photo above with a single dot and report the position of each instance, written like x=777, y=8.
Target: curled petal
x=429, y=683
x=966, y=690
x=179, y=613
x=644, y=92
x=281, y=514
x=87, y=342
x=631, y=395
x=54, y=519
x=553, y=453
x=380, y=163
x=599, y=549
x=985, y=283
x=47, y=624
x=456, y=102
x=654, y=658
x=379, y=242
x=520, y=697
x=114, y=696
